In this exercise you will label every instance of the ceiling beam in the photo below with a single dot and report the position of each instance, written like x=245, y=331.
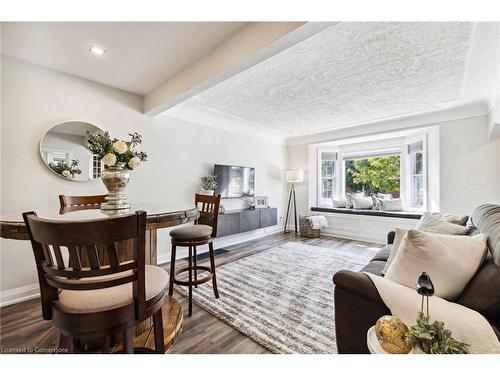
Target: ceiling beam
x=248, y=47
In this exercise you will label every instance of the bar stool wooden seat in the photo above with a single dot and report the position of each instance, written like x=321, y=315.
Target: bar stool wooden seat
x=98, y=300
x=202, y=233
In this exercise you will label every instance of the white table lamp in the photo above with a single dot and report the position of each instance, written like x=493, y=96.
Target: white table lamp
x=292, y=176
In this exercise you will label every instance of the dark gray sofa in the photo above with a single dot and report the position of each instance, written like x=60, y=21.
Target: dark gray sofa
x=358, y=304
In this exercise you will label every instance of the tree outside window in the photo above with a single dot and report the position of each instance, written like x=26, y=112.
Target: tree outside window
x=373, y=175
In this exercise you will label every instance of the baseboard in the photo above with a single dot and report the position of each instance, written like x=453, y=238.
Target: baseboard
x=24, y=293
x=354, y=237
x=220, y=242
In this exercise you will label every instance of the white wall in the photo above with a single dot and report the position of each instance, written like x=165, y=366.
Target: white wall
x=465, y=151
x=34, y=99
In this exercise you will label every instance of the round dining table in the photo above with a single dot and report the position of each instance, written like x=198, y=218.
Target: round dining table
x=159, y=215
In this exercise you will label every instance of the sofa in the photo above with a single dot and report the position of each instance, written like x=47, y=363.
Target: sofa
x=358, y=305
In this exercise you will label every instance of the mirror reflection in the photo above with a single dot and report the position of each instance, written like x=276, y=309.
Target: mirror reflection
x=64, y=152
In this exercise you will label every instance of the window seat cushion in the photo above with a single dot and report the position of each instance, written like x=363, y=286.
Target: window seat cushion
x=369, y=212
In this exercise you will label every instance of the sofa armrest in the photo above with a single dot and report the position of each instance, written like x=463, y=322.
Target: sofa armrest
x=390, y=237
x=357, y=307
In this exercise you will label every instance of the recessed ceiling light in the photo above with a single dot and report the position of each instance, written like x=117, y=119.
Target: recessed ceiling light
x=97, y=50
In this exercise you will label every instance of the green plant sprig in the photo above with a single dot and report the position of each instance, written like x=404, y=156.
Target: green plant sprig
x=434, y=338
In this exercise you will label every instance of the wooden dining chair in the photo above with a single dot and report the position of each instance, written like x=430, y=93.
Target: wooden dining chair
x=82, y=200
x=202, y=233
x=100, y=299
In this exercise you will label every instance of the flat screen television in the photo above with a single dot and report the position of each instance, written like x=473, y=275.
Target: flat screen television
x=234, y=181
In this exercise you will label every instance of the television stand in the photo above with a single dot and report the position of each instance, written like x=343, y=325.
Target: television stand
x=245, y=220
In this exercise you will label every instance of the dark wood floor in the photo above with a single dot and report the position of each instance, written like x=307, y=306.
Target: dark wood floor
x=21, y=325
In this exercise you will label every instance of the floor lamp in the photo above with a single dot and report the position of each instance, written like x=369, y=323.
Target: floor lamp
x=292, y=176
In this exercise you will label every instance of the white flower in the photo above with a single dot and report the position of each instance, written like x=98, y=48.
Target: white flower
x=120, y=147
x=134, y=162
x=66, y=173
x=109, y=159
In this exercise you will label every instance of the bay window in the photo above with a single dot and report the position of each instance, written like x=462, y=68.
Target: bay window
x=394, y=167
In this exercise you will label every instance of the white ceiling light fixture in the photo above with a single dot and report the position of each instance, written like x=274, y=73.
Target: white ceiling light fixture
x=96, y=50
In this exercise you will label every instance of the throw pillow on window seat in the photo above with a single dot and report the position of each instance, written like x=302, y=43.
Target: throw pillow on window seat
x=451, y=261
x=391, y=204
x=362, y=203
x=350, y=198
x=339, y=203
x=383, y=196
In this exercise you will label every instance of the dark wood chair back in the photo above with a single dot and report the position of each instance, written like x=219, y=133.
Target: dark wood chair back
x=82, y=200
x=208, y=205
x=61, y=246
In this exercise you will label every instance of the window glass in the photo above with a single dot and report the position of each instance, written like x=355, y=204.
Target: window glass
x=327, y=185
x=376, y=174
x=417, y=180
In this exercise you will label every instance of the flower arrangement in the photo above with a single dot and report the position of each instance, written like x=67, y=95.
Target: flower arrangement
x=209, y=182
x=65, y=170
x=113, y=151
x=434, y=338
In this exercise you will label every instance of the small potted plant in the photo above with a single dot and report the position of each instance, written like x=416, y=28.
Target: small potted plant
x=66, y=170
x=433, y=338
x=208, y=184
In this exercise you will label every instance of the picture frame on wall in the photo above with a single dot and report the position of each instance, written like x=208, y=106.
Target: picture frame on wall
x=261, y=202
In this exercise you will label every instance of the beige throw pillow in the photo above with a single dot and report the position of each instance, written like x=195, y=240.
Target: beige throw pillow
x=437, y=224
x=400, y=233
x=450, y=261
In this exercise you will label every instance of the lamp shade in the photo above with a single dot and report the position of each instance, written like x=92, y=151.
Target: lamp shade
x=294, y=175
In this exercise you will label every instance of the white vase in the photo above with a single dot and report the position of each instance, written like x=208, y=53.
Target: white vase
x=116, y=179
x=207, y=192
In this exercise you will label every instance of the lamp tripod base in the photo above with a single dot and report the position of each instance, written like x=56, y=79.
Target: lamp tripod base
x=291, y=196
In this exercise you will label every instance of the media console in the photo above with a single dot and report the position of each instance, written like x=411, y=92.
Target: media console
x=244, y=220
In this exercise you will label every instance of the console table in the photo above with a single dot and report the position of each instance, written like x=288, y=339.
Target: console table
x=244, y=220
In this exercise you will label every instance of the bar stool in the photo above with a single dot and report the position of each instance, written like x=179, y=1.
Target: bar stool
x=202, y=233
x=97, y=300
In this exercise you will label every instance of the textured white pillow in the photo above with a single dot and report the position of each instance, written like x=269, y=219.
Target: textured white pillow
x=384, y=196
x=391, y=204
x=362, y=203
x=350, y=197
x=400, y=233
x=339, y=203
x=437, y=224
x=450, y=261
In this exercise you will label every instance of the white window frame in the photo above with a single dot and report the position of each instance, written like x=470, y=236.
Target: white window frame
x=408, y=173
x=320, y=201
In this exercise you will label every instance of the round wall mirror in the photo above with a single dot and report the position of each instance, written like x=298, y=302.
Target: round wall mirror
x=64, y=151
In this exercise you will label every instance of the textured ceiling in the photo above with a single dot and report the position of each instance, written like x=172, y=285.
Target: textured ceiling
x=348, y=74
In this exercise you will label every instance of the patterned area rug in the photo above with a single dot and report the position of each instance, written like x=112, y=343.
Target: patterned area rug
x=282, y=297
